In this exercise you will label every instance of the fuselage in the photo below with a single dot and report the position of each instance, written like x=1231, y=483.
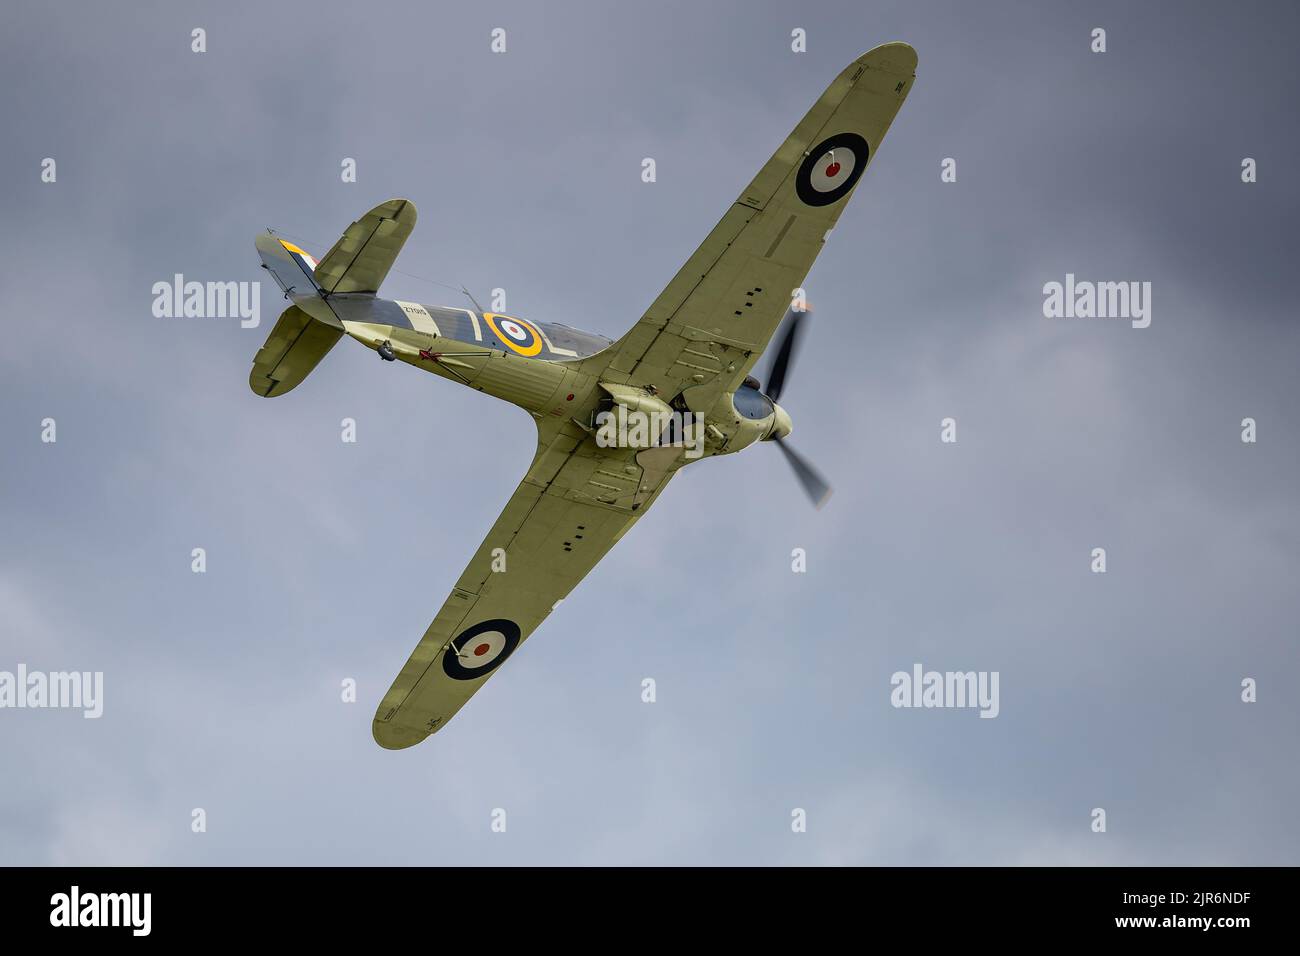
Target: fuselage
x=538, y=366
x=486, y=330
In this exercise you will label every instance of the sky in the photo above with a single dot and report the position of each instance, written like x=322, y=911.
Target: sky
x=1119, y=691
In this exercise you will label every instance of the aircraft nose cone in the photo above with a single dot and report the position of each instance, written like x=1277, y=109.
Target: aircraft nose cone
x=781, y=426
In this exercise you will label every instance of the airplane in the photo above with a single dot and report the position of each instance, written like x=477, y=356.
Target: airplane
x=687, y=361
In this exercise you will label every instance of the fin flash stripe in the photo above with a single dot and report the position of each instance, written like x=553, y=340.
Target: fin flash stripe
x=294, y=250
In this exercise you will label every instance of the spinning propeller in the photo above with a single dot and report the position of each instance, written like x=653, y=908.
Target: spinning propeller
x=818, y=489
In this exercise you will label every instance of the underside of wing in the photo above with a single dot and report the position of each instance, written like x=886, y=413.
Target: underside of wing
x=556, y=526
x=706, y=330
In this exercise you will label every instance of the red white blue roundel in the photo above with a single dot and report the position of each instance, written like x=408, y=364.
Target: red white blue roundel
x=831, y=169
x=518, y=335
x=479, y=650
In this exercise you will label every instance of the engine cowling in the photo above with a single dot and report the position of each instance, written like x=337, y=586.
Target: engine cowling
x=751, y=417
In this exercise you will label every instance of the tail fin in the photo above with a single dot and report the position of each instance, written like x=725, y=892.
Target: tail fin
x=294, y=270
x=308, y=329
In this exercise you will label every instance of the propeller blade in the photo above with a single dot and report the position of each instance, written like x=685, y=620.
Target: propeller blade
x=785, y=354
x=813, y=483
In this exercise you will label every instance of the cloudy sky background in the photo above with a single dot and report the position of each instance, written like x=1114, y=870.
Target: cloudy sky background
x=327, y=561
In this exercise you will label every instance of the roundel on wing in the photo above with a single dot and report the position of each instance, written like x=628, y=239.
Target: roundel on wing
x=479, y=650
x=519, y=336
x=831, y=169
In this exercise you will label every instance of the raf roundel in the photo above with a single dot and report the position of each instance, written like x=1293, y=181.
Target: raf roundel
x=831, y=169
x=479, y=650
x=519, y=336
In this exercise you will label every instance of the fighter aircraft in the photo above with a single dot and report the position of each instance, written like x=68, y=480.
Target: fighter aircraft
x=684, y=367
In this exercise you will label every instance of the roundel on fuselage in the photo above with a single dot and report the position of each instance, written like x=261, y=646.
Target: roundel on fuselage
x=518, y=335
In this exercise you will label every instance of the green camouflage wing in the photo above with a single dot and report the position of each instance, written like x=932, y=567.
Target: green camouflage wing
x=574, y=504
x=711, y=323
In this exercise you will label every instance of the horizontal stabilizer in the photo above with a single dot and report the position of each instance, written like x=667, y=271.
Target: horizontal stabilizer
x=366, y=251
x=295, y=347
